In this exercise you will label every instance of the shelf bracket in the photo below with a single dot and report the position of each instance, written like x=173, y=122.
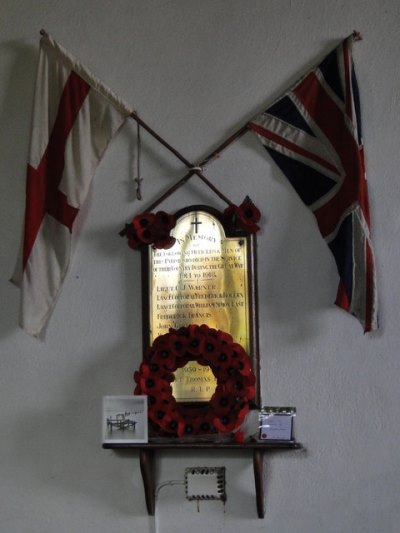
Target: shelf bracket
x=258, y=466
x=148, y=453
x=147, y=469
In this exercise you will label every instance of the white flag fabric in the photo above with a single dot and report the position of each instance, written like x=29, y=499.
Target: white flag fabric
x=74, y=118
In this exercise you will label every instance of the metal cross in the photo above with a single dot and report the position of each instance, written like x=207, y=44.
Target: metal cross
x=196, y=223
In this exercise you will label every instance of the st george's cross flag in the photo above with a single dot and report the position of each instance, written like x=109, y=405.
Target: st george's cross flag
x=313, y=133
x=74, y=118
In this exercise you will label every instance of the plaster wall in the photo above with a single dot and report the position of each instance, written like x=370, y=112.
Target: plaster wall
x=196, y=71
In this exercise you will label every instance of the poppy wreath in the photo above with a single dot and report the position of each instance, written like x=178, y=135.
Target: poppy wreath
x=150, y=228
x=230, y=365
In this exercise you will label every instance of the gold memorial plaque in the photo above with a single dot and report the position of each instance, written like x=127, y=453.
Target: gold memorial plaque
x=202, y=279
x=194, y=383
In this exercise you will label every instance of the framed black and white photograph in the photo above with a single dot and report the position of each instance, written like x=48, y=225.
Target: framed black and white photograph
x=124, y=419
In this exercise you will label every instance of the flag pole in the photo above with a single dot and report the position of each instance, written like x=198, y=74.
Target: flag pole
x=162, y=141
x=192, y=169
x=196, y=169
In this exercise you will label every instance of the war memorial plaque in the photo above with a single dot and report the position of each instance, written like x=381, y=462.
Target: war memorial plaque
x=203, y=279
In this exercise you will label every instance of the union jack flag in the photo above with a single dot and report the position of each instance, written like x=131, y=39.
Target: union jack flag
x=313, y=133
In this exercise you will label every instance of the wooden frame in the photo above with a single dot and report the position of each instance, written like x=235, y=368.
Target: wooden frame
x=252, y=296
x=124, y=420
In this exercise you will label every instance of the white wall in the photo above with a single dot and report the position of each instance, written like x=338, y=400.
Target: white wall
x=197, y=70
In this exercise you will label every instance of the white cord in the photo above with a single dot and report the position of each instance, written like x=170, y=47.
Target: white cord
x=166, y=483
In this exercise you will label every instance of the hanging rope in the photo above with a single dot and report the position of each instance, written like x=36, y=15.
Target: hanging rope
x=138, y=178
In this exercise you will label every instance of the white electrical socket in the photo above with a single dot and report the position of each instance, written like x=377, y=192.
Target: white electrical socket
x=205, y=483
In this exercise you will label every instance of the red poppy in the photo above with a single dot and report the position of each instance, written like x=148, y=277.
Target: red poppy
x=165, y=359
x=240, y=360
x=248, y=228
x=163, y=354
x=192, y=423
x=153, y=385
x=226, y=423
x=148, y=353
x=244, y=366
x=161, y=340
x=142, y=221
x=248, y=212
x=205, y=424
x=173, y=423
x=150, y=228
x=245, y=216
x=144, y=370
x=160, y=407
x=231, y=211
x=239, y=437
x=238, y=350
x=241, y=415
x=221, y=404
x=205, y=329
x=161, y=401
x=190, y=330
x=212, y=332
x=147, y=234
x=134, y=242
x=224, y=337
x=223, y=364
x=241, y=386
x=164, y=220
x=195, y=342
x=211, y=347
x=176, y=344
x=157, y=415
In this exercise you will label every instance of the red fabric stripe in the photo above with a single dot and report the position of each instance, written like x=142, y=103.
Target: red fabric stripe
x=342, y=299
x=42, y=192
x=364, y=189
x=330, y=120
x=369, y=296
x=347, y=78
x=268, y=134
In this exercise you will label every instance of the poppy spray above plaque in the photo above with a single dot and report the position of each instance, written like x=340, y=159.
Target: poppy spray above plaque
x=200, y=326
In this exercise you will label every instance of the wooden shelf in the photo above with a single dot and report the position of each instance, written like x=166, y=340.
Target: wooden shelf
x=148, y=451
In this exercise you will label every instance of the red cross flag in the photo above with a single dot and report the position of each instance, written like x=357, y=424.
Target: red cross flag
x=74, y=118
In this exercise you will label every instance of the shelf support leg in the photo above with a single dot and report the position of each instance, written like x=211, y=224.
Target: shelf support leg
x=147, y=470
x=258, y=466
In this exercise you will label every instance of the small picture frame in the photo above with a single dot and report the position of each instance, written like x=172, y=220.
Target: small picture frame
x=276, y=423
x=124, y=420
